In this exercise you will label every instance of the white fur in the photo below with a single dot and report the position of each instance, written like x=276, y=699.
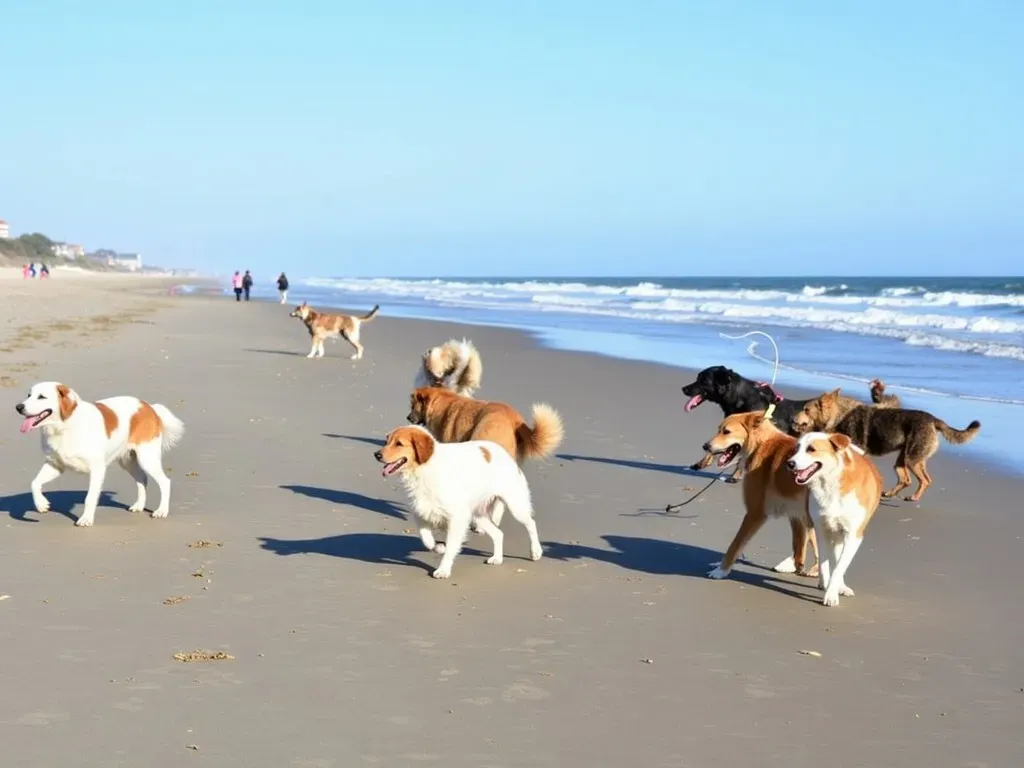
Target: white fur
x=464, y=354
x=80, y=444
x=837, y=518
x=457, y=486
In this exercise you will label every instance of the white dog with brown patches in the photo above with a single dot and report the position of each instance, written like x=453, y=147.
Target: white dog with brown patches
x=452, y=485
x=87, y=437
x=846, y=488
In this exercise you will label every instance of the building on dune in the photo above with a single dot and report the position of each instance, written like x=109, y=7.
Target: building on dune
x=5, y=230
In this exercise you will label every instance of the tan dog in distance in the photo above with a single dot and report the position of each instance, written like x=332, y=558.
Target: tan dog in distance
x=322, y=325
x=769, y=489
x=452, y=418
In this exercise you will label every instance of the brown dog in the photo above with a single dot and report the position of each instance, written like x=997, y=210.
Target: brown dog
x=769, y=489
x=452, y=418
x=324, y=326
x=915, y=434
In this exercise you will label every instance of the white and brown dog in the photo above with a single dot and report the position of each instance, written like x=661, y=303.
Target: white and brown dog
x=454, y=365
x=88, y=437
x=846, y=488
x=453, y=485
x=322, y=325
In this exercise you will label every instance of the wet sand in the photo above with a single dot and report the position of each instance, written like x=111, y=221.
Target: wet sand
x=613, y=650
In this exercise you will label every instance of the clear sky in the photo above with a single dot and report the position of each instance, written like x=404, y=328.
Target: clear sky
x=482, y=137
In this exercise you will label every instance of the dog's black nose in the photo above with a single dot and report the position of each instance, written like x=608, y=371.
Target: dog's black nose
x=20, y=407
x=706, y=447
x=790, y=465
x=378, y=455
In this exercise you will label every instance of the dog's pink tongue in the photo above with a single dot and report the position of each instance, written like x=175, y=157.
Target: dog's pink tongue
x=693, y=402
x=26, y=425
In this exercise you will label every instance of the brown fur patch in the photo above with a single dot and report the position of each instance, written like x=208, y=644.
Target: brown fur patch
x=109, y=418
x=66, y=403
x=486, y=453
x=144, y=426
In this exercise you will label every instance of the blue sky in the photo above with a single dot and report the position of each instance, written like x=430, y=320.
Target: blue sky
x=562, y=137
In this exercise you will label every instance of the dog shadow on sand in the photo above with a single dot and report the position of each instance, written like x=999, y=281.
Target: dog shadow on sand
x=20, y=505
x=348, y=499
x=376, y=548
x=287, y=352
x=658, y=557
x=645, y=465
x=379, y=442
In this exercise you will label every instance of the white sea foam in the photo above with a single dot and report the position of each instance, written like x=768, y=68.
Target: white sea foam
x=940, y=320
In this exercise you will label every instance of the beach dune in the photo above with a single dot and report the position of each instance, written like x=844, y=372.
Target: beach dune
x=287, y=551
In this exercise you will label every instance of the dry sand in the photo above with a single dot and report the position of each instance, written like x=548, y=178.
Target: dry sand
x=613, y=650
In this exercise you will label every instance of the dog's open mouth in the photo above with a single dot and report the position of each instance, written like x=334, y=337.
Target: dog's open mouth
x=803, y=476
x=693, y=402
x=393, y=466
x=31, y=422
x=730, y=453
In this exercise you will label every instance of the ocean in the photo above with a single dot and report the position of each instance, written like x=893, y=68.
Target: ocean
x=952, y=346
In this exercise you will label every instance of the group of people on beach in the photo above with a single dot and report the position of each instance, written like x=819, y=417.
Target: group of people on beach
x=29, y=271
x=242, y=285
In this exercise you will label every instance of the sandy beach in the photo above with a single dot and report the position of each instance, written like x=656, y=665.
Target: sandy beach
x=287, y=550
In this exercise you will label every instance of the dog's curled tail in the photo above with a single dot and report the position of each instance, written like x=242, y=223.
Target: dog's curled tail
x=958, y=436
x=371, y=314
x=546, y=435
x=173, y=427
x=469, y=379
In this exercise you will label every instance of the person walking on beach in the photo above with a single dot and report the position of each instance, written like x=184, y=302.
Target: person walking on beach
x=282, y=287
x=247, y=284
x=236, y=283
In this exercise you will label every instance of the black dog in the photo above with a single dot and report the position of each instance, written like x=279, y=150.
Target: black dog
x=735, y=394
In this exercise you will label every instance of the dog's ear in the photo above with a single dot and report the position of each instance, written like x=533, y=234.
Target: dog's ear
x=67, y=401
x=422, y=446
x=833, y=395
x=756, y=421
x=839, y=443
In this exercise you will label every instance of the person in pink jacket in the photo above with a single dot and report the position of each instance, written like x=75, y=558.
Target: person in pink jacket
x=236, y=283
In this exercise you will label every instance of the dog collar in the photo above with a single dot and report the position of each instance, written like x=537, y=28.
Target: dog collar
x=776, y=397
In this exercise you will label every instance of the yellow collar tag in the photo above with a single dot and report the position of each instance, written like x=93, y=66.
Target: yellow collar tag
x=769, y=410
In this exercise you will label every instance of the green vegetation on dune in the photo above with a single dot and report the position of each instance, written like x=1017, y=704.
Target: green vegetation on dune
x=35, y=248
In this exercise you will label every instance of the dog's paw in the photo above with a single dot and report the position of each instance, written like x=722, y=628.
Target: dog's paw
x=811, y=572
x=831, y=599
x=441, y=573
x=717, y=573
x=786, y=566
x=915, y=498
x=42, y=504
x=160, y=512
x=439, y=548
x=494, y=560
x=733, y=479
x=84, y=522
x=137, y=507
x=536, y=553
x=845, y=591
